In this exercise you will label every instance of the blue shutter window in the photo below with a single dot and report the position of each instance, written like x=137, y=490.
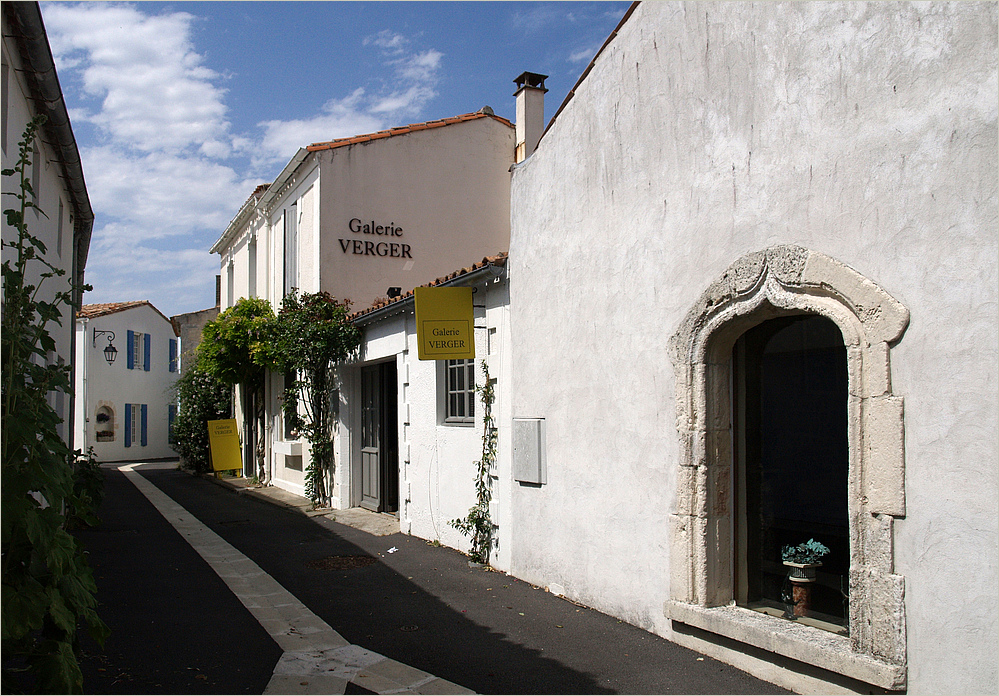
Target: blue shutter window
x=131, y=352
x=144, y=441
x=128, y=413
x=145, y=352
x=173, y=355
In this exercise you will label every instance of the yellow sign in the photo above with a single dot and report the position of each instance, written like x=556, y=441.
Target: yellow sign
x=444, y=323
x=223, y=441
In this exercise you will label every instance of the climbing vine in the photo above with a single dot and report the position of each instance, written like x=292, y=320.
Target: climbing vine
x=48, y=587
x=478, y=524
x=311, y=337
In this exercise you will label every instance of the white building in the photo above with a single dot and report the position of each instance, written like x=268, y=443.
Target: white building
x=30, y=87
x=363, y=218
x=753, y=277
x=411, y=430
x=127, y=363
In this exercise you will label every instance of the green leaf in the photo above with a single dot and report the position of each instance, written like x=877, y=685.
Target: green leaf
x=23, y=609
x=57, y=669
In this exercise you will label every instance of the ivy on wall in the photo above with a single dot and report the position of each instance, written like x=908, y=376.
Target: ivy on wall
x=478, y=525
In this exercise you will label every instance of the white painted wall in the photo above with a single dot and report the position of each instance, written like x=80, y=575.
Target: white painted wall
x=705, y=131
x=98, y=383
x=448, y=188
x=54, y=213
x=437, y=460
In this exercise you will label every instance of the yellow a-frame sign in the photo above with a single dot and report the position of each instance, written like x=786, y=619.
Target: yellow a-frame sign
x=223, y=445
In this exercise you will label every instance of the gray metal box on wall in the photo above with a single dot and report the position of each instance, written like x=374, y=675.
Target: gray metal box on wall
x=529, y=461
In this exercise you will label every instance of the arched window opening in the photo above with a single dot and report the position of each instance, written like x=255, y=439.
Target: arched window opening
x=791, y=456
x=104, y=419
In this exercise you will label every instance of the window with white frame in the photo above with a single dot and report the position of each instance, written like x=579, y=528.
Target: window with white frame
x=138, y=351
x=290, y=249
x=459, y=383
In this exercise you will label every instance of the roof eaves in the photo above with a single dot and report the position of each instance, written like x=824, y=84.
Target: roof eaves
x=403, y=130
x=471, y=273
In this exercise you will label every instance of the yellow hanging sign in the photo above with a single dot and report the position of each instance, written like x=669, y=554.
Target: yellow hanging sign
x=223, y=445
x=444, y=323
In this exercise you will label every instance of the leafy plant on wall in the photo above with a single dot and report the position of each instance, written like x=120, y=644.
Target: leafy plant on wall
x=202, y=398
x=232, y=351
x=312, y=337
x=478, y=525
x=48, y=588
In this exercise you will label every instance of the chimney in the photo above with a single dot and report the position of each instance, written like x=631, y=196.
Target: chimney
x=530, y=96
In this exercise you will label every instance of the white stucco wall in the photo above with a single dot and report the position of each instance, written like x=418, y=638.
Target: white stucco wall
x=866, y=132
x=54, y=212
x=437, y=461
x=447, y=188
x=99, y=383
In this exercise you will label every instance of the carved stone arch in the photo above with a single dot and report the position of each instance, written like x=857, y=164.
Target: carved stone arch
x=781, y=281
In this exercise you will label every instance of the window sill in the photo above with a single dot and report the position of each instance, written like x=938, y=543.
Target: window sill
x=287, y=448
x=806, y=644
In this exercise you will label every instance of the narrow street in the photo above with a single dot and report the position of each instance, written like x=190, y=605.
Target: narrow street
x=344, y=612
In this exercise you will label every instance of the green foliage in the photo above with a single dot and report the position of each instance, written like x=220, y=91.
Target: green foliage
x=202, y=398
x=234, y=350
x=806, y=552
x=478, y=525
x=232, y=346
x=46, y=583
x=312, y=337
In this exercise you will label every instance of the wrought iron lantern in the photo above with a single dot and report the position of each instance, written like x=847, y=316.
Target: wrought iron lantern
x=110, y=352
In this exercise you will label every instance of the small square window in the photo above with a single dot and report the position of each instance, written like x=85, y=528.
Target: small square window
x=459, y=380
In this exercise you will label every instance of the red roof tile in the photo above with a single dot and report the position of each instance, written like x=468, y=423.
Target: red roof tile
x=401, y=130
x=497, y=260
x=90, y=311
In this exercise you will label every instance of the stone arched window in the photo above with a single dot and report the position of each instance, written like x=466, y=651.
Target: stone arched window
x=104, y=423
x=779, y=282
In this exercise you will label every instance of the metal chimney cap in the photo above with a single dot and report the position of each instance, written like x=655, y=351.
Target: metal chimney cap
x=529, y=79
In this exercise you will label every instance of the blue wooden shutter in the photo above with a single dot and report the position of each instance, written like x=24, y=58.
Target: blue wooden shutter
x=145, y=351
x=128, y=412
x=144, y=441
x=131, y=352
x=173, y=355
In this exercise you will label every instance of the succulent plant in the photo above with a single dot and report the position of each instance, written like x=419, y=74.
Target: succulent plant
x=807, y=552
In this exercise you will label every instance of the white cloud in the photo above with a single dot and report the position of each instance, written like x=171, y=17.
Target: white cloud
x=154, y=93
x=584, y=55
x=163, y=172
x=387, y=41
x=415, y=74
x=340, y=118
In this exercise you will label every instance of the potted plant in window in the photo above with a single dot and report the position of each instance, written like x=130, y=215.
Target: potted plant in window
x=802, y=560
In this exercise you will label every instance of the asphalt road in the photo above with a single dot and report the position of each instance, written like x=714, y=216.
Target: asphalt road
x=177, y=627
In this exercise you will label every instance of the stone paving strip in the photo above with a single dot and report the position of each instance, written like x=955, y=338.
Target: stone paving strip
x=317, y=659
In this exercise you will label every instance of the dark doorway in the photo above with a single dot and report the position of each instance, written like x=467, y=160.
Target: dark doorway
x=792, y=456
x=379, y=439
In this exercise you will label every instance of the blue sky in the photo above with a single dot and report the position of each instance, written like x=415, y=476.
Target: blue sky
x=181, y=108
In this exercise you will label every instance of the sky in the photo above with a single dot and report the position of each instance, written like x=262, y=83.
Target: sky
x=181, y=108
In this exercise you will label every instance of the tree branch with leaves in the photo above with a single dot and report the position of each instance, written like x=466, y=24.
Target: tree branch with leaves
x=312, y=337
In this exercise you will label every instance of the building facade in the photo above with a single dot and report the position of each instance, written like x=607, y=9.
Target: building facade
x=127, y=362
x=412, y=430
x=64, y=219
x=364, y=218
x=754, y=279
